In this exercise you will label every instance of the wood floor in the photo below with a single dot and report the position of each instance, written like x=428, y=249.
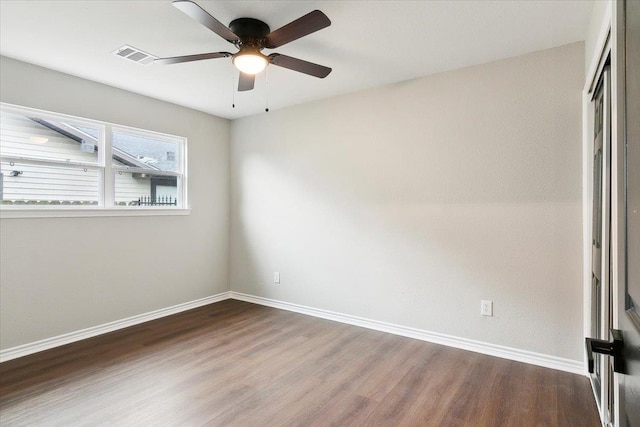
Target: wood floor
x=238, y=364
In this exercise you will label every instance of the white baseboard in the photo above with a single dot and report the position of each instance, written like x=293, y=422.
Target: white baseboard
x=547, y=361
x=48, y=343
x=553, y=362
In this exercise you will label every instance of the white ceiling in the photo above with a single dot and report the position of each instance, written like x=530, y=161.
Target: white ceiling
x=370, y=43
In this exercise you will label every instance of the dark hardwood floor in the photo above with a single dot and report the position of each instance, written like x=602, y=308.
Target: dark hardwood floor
x=238, y=364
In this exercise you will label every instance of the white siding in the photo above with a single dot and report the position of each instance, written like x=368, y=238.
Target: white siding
x=39, y=184
x=129, y=188
x=16, y=132
x=47, y=184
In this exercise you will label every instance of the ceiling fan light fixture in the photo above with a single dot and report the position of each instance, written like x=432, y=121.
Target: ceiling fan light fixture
x=250, y=61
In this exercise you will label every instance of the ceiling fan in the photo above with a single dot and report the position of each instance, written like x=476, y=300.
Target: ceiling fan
x=251, y=36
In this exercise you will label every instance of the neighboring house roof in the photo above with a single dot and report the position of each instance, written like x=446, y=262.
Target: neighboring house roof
x=78, y=135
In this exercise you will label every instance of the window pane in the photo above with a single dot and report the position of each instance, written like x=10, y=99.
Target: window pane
x=145, y=152
x=26, y=135
x=50, y=159
x=141, y=189
x=35, y=184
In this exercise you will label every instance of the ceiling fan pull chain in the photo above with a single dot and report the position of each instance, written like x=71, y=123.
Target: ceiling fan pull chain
x=233, y=87
x=266, y=89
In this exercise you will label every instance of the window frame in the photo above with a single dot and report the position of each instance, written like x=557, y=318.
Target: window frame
x=106, y=172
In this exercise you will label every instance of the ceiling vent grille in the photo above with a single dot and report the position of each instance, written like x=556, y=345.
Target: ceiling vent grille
x=135, y=55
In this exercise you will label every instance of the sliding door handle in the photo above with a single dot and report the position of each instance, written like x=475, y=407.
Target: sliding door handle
x=610, y=348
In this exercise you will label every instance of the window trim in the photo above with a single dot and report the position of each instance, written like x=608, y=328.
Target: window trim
x=106, y=194
x=89, y=211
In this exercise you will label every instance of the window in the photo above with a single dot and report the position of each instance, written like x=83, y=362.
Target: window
x=53, y=161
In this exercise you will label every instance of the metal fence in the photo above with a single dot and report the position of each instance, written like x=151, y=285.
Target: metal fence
x=157, y=201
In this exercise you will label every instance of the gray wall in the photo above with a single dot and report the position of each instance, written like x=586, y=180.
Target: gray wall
x=601, y=10
x=407, y=204
x=412, y=202
x=61, y=275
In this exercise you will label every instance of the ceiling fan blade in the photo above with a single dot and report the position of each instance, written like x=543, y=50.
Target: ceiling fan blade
x=194, y=11
x=189, y=58
x=305, y=25
x=245, y=82
x=299, y=65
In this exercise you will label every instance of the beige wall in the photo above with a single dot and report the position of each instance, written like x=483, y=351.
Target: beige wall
x=61, y=275
x=407, y=204
x=411, y=202
x=600, y=15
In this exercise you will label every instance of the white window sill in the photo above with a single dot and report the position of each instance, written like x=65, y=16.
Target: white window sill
x=16, y=213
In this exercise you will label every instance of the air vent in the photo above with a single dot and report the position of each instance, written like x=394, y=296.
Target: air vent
x=135, y=55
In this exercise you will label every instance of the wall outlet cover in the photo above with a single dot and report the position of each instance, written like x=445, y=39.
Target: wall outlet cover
x=486, y=308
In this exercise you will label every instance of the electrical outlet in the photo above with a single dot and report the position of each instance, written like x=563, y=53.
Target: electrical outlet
x=276, y=277
x=486, y=308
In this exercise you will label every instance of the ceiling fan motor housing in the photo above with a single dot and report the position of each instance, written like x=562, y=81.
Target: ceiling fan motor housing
x=250, y=31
